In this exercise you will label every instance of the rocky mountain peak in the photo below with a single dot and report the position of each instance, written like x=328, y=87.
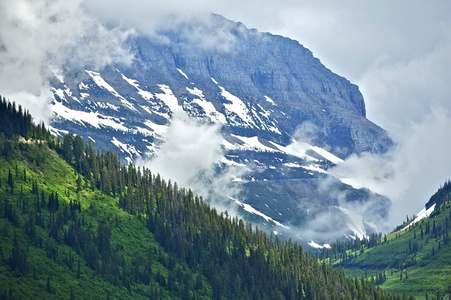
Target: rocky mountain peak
x=266, y=92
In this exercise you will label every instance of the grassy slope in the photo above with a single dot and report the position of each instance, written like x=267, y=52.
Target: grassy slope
x=53, y=174
x=428, y=270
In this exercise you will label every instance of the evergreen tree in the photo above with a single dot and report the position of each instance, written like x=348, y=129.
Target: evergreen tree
x=11, y=181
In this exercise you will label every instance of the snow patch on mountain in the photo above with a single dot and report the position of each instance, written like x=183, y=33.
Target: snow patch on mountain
x=183, y=73
x=242, y=143
x=236, y=108
x=300, y=150
x=168, y=97
x=252, y=210
x=327, y=155
x=315, y=168
x=92, y=118
x=357, y=223
x=125, y=148
x=144, y=94
x=105, y=105
x=292, y=165
x=297, y=149
x=251, y=144
x=62, y=94
x=100, y=82
x=158, y=129
x=354, y=182
x=424, y=213
x=208, y=107
x=229, y=162
x=268, y=124
x=318, y=246
x=196, y=92
x=270, y=100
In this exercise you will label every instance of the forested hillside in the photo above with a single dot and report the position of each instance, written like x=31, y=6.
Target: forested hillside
x=414, y=259
x=75, y=223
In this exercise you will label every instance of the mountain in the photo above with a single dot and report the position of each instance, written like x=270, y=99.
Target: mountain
x=284, y=117
x=414, y=259
x=77, y=224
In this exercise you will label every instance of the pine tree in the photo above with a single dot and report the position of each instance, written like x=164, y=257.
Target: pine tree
x=49, y=288
x=18, y=259
x=11, y=181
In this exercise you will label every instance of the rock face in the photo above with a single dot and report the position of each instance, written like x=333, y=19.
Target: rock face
x=265, y=91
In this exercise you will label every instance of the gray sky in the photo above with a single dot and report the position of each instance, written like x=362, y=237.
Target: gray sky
x=398, y=52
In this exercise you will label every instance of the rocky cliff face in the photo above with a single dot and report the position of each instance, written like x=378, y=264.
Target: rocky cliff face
x=265, y=91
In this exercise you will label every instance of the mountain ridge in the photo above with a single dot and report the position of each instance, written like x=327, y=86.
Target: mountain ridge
x=262, y=90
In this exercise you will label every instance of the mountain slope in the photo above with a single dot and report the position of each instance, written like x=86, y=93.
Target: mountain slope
x=414, y=259
x=88, y=227
x=283, y=115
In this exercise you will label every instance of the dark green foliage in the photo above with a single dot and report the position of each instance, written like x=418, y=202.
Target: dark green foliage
x=136, y=235
x=18, y=260
x=442, y=195
x=16, y=121
x=416, y=258
x=11, y=181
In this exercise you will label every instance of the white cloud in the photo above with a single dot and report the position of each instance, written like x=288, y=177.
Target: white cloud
x=397, y=94
x=37, y=34
x=306, y=132
x=190, y=155
x=190, y=149
x=412, y=171
x=412, y=100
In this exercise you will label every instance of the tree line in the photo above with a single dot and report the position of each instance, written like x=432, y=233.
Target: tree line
x=201, y=245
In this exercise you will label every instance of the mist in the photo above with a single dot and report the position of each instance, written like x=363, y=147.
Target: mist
x=410, y=172
x=39, y=38
x=412, y=101
x=190, y=154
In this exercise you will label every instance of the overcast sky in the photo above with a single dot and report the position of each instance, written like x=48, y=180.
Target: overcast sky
x=398, y=52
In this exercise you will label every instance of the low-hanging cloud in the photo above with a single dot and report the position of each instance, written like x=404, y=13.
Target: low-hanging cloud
x=195, y=22
x=191, y=155
x=307, y=132
x=412, y=100
x=409, y=173
x=347, y=37
x=189, y=148
x=38, y=38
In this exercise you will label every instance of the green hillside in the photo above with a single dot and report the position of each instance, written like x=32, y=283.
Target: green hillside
x=415, y=260
x=75, y=223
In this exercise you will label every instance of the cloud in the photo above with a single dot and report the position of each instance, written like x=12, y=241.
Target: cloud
x=412, y=100
x=36, y=36
x=345, y=210
x=191, y=155
x=190, y=148
x=307, y=132
x=351, y=213
x=405, y=92
x=409, y=173
x=347, y=37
